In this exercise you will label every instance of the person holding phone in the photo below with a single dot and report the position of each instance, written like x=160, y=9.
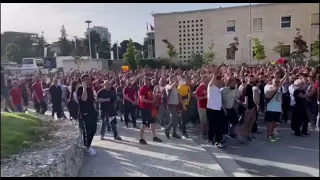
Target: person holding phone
x=88, y=116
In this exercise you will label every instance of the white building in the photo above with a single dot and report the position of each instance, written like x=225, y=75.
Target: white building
x=102, y=31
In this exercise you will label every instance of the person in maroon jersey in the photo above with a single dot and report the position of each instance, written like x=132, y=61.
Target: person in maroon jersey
x=15, y=97
x=145, y=103
x=129, y=103
x=38, y=97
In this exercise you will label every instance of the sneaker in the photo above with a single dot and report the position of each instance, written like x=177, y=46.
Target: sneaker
x=102, y=138
x=135, y=127
x=305, y=134
x=219, y=145
x=176, y=136
x=142, y=141
x=252, y=137
x=117, y=138
x=91, y=152
x=126, y=126
x=121, y=119
x=209, y=142
x=271, y=139
x=185, y=135
x=156, y=139
x=276, y=137
x=109, y=129
x=163, y=128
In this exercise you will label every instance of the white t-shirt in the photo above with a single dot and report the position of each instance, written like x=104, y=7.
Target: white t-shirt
x=291, y=90
x=266, y=87
x=214, y=98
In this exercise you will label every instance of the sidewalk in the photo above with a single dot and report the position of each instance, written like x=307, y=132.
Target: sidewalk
x=171, y=158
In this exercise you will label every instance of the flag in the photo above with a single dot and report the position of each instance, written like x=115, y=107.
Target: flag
x=147, y=27
x=151, y=28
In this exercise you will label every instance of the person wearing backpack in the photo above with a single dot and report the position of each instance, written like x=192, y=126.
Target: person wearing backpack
x=161, y=102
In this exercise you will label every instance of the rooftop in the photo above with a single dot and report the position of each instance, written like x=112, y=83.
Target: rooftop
x=217, y=9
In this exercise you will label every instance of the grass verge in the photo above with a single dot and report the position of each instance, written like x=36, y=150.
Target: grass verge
x=20, y=131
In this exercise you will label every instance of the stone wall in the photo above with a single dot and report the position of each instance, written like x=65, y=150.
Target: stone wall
x=61, y=155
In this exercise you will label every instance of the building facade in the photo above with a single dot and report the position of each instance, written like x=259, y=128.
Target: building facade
x=193, y=31
x=102, y=31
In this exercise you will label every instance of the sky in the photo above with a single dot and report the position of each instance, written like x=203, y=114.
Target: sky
x=124, y=20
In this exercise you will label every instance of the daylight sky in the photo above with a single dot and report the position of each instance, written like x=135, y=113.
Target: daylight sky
x=124, y=21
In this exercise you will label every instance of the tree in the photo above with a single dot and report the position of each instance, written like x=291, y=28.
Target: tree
x=258, y=50
x=300, y=47
x=114, y=49
x=197, y=60
x=123, y=48
x=79, y=48
x=233, y=48
x=64, y=43
x=172, y=53
x=315, y=48
x=280, y=49
x=209, y=56
x=95, y=40
x=104, y=49
x=12, y=52
x=130, y=55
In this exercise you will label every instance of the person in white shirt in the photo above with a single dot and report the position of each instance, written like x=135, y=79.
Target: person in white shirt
x=214, y=111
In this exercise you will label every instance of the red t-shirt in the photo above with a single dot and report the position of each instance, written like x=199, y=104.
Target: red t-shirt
x=37, y=88
x=316, y=86
x=145, y=91
x=15, y=94
x=202, y=91
x=130, y=92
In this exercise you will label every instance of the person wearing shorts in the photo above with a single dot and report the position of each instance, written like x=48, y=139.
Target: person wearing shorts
x=201, y=96
x=146, y=102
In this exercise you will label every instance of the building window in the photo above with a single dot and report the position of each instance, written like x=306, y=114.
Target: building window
x=179, y=26
x=197, y=43
x=188, y=47
x=188, y=34
x=197, y=47
x=257, y=24
x=188, y=26
x=196, y=29
x=314, y=19
x=197, y=39
x=285, y=21
x=179, y=30
x=196, y=20
x=184, y=44
x=179, y=35
x=231, y=26
x=184, y=35
x=201, y=34
x=192, y=25
x=192, y=34
x=184, y=48
x=192, y=30
x=179, y=22
x=179, y=39
x=201, y=42
x=184, y=30
x=192, y=43
x=184, y=21
x=201, y=29
x=188, y=43
x=188, y=21
x=184, y=39
x=230, y=55
x=200, y=20
x=184, y=56
x=184, y=26
x=180, y=57
x=196, y=25
x=188, y=52
x=201, y=38
x=180, y=44
x=286, y=51
x=188, y=39
x=201, y=25
x=192, y=21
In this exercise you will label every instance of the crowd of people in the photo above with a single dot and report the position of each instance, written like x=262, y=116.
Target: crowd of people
x=224, y=100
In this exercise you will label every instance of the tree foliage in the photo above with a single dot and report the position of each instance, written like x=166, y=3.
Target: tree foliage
x=104, y=49
x=300, y=47
x=210, y=55
x=196, y=60
x=64, y=43
x=315, y=48
x=258, y=49
x=233, y=46
x=280, y=48
x=171, y=51
x=95, y=40
x=130, y=55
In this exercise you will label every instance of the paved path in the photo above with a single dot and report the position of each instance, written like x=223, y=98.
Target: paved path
x=290, y=156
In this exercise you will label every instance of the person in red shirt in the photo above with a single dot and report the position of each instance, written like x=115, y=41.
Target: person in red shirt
x=145, y=103
x=38, y=96
x=15, y=97
x=129, y=103
x=201, y=96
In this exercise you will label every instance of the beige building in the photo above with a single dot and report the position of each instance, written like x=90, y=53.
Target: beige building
x=192, y=31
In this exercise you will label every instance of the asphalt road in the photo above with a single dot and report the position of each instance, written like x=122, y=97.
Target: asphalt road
x=288, y=157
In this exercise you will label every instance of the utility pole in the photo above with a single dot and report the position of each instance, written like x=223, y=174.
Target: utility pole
x=117, y=50
x=42, y=37
x=75, y=45
x=88, y=31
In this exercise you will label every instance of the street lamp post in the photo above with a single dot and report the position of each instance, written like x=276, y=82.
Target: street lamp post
x=75, y=45
x=249, y=36
x=88, y=22
x=44, y=54
x=117, y=51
